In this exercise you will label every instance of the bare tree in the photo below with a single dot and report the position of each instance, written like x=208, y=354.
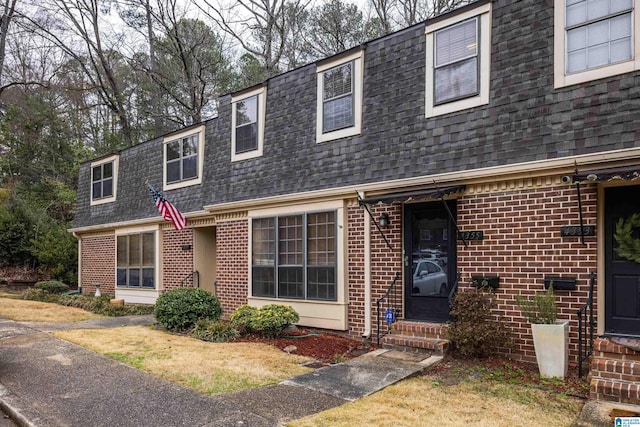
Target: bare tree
x=261, y=27
x=8, y=10
x=414, y=11
x=384, y=11
x=75, y=26
x=335, y=26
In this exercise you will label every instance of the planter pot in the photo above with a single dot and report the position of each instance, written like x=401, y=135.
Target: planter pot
x=490, y=281
x=551, y=343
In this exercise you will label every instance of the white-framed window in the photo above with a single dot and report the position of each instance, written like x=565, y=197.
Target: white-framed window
x=184, y=158
x=247, y=124
x=458, y=62
x=137, y=259
x=104, y=180
x=594, y=39
x=294, y=256
x=339, y=97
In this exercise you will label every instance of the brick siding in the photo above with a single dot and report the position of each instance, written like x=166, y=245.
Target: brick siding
x=177, y=263
x=232, y=239
x=98, y=261
x=355, y=267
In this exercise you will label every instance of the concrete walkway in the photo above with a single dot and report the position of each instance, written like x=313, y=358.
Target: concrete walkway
x=46, y=381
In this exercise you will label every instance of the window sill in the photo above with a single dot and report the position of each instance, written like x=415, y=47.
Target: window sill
x=315, y=314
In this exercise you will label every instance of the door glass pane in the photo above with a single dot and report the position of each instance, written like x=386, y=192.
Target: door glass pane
x=429, y=256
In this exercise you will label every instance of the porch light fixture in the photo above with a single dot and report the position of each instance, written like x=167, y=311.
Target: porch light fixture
x=383, y=221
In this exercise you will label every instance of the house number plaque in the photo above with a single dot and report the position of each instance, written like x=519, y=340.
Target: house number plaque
x=574, y=230
x=471, y=235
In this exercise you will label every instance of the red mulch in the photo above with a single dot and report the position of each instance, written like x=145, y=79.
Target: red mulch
x=322, y=346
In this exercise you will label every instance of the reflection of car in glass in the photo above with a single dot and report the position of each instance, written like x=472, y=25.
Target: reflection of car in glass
x=428, y=278
x=433, y=254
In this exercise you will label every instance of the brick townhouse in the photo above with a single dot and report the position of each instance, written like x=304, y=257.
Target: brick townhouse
x=497, y=141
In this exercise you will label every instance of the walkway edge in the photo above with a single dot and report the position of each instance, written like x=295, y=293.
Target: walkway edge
x=12, y=410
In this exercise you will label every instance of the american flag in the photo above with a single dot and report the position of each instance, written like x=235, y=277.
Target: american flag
x=167, y=210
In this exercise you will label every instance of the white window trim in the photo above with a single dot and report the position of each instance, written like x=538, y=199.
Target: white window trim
x=158, y=250
x=262, y=107
x=484, y=39
x=357, y=58
x=115, y=158
x=186, y=183
x=561, y=79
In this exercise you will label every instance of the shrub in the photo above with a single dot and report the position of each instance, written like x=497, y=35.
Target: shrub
x=214, y=331
x=52, y=286
x=180, y=309
x=475, y=331
x=540, y=309
x=269, y=321
x=242, y=318
x=40, y=295
x=102, y=305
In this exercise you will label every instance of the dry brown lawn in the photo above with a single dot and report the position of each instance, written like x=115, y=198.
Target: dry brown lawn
x=209, y=368
x=35, y=311
x=422, y=401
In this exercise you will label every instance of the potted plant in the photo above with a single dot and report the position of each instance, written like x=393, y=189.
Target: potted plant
x=550, y=335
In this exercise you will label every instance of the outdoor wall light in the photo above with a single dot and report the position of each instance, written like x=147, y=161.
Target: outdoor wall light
x=383, y=221
x=592, y=177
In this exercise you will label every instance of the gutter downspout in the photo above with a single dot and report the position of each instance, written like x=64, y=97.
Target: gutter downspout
x=367, y=273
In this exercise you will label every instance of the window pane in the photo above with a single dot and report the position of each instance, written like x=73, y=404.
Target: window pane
x=337, y=114
x=96, y=189
x=190, y=146
x=189, y=167
x=621, y=27
x=123, y=251
x=337, y=81
x=121, y=277
x=576, y=13
x=263, y=282
x=577, y=61
x=290, y=282
x=247, y=111
x=620, y=5
x=107, y=188
x=173, y=150
x=290, y=240
x=147, y=278
x=456, y=80
x=597, y=9
x=97, y=173
x=597, y=56
x=107, y=170
x=148, y=249
x=247, y=138
x=321, y=283
x=621, y=50
x=134, y=277
x=577, y=39
x=135, y=248
x=321, y=239
x=263, y=241
x=598, y=33
x=456, y=43
x=173, y=171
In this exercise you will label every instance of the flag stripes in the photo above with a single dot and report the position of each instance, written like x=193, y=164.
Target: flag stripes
x=167, y=210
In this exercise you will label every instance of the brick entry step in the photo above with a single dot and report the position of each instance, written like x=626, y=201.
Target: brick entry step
x=417, y=337
x=615, y=372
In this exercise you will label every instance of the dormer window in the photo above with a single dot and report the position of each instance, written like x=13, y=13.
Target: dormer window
x=339, y=106
x=183, y=158
x=594, y=40
x=247, y=123
x=458, y=63
x=103, y=180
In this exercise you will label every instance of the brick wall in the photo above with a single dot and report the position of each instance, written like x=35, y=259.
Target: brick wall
x=177, y=263
x=355, y=267
x=522, y=245
x=232, y=264
x=385, y=262
x=98, y=261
